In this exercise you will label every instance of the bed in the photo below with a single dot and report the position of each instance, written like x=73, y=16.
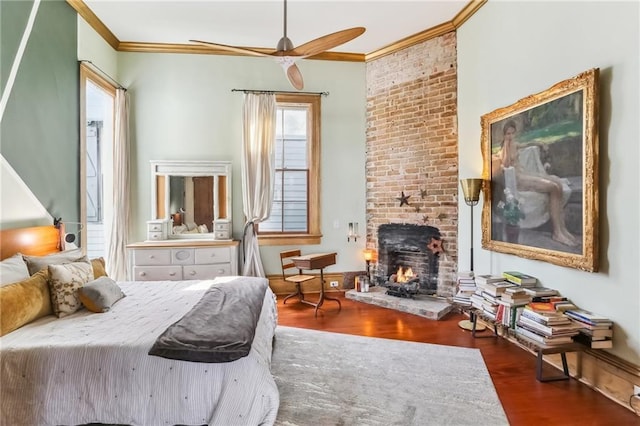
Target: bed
x=88, y=367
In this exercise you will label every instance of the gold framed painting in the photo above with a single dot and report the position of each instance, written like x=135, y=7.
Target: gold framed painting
x=541, y=165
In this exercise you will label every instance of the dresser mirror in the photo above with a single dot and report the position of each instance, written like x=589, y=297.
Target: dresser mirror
x=190, y=200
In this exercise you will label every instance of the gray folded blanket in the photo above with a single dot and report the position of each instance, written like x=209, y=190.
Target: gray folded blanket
x=220, y=327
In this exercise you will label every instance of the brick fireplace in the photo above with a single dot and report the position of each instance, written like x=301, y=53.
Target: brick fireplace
x=412, y=149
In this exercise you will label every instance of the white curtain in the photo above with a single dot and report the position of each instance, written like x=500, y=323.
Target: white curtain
x=258, y=158
x=117, y=240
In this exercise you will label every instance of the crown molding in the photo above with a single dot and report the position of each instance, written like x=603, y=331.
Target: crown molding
x=431, y=33
x=466, y=13
x=129, y=46
x=87, y=14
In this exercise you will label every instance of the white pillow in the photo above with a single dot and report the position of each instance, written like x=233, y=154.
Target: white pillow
x=13, y=269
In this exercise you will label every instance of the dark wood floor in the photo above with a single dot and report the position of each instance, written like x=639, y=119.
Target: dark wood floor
x=525, y=400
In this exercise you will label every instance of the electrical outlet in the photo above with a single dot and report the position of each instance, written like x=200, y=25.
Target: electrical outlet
x=636, y=390
x=333, y=283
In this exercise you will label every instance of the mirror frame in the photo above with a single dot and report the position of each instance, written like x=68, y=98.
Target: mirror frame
x=221, y=172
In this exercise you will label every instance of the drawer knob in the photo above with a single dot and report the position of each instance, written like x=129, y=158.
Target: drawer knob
x=221, y=271
x=151, y=256
x=192, y=273
x=142, y=274
x=172, y=274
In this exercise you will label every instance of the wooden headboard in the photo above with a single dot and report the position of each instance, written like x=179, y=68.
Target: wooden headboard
x=34, y=241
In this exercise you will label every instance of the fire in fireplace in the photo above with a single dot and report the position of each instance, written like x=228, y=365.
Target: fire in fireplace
x=403, y=283
x=403, y=276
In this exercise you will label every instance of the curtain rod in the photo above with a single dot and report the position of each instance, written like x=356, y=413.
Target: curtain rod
x=279, y=91
x=104, y=74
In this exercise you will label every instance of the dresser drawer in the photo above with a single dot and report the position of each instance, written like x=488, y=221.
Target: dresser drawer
x=155, y=227
x=221, y=235
x=207, y=256
x=157, y=273
x=152, y=257
x=155, y=236
x=182, y=256
x=221, y=226
x=206, y=272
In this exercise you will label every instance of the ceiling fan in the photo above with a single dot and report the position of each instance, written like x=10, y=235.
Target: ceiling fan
x=286, y=54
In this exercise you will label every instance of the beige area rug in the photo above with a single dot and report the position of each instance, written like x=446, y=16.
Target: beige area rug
x=339, y=379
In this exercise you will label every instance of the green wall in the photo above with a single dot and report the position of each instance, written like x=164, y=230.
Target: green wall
x=39, y=134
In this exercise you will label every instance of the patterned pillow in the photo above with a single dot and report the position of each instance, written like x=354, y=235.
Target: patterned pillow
x=99, y=295
x=64, y=282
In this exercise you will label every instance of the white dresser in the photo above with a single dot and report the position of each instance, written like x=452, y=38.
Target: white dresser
x=182, y=260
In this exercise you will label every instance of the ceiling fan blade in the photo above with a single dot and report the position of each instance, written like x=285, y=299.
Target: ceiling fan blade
x=240, y=50
x=295, y=77
x=324, y=43
x=288, y=64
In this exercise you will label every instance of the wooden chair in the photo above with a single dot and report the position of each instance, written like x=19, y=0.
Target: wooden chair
x=287, y=275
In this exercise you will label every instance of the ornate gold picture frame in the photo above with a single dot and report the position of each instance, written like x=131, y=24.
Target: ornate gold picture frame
x=541, y=165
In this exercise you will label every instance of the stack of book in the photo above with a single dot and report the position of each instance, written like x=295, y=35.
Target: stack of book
x=512, y=302
x=516, y=296
x=520, y=279
x=558, y=302
x=466, y=287
x=489, y=289
x=495, y=289
x=541, y=291
x=488, y=278
x=546, y=325
x=596, y=331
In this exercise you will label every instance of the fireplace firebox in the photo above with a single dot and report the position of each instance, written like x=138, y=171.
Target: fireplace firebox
x=406, y=265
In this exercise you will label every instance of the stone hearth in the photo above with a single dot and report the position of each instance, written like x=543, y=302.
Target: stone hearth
x=426, y=306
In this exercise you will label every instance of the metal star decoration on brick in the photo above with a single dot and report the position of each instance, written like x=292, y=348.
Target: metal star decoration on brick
x=404, y=199
x=435, y=245
x=423, y=193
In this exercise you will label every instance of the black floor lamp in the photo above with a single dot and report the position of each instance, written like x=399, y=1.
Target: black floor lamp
x=471, y=189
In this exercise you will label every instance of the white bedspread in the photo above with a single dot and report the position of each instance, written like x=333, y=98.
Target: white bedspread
x=91, y=367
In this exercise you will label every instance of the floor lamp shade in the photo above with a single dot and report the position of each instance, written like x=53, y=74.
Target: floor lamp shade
x=471, y=190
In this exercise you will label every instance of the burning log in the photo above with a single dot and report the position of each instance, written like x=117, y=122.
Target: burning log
x=403, y=283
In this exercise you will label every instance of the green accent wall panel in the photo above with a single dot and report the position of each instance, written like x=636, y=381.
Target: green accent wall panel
x=13, y=20
x=39, y=133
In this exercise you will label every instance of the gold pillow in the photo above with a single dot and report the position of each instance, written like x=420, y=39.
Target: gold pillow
x=24, y=301
x=64, y=282
x=99, y=269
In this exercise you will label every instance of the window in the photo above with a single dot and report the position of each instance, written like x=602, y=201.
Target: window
x=97, y=134
x=296, y=205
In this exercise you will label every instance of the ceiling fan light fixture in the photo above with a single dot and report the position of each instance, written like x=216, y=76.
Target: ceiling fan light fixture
x=286, y=61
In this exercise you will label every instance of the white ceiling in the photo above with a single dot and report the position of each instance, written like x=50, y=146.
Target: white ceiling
x=260, y=23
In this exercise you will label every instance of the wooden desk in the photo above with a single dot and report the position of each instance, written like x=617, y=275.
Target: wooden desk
x=317, y=261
